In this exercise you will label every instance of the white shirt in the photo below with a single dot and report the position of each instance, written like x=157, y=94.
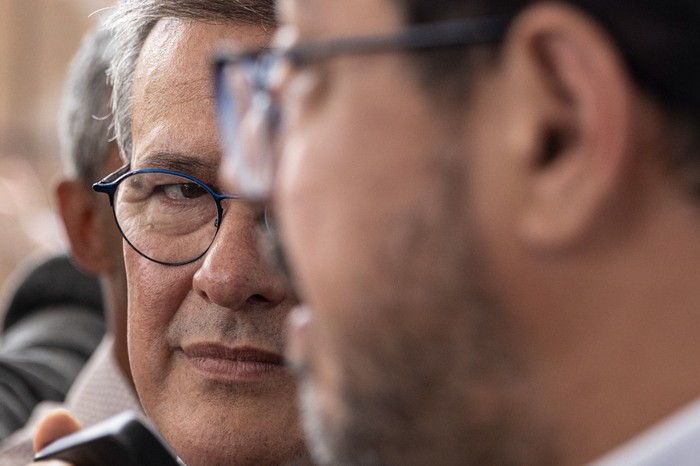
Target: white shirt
x=675, y=441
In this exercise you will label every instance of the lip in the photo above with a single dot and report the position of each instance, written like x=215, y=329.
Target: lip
x=238, y=364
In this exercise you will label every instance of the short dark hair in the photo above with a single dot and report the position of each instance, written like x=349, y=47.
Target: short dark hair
x=659, y=40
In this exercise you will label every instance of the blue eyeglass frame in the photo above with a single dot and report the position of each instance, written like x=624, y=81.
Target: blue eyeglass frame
x=111, y=182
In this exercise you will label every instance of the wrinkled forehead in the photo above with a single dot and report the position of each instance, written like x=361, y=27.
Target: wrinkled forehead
x=319, y=19
x=177, y=54
x=173, y=91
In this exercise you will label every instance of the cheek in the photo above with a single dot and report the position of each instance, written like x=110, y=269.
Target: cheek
x=311, y=218
x=155, y=293
x=345, y=216
x=339, y=205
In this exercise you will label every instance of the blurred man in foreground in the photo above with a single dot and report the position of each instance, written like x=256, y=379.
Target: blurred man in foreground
x=491, y=213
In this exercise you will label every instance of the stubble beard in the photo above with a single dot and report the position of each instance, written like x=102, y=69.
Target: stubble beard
x=450, y=390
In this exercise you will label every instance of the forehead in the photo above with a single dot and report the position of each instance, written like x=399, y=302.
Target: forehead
x=173, y=93
x=316, y=19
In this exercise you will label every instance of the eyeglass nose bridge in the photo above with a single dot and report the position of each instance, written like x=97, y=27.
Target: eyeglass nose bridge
x=220, y=210
x=261, y=211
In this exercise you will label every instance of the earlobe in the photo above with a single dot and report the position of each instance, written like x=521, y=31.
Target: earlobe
x=79, y=211
x=580, y=142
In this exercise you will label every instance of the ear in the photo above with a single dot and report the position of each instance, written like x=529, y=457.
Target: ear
x=80, y=212
x=580, y=122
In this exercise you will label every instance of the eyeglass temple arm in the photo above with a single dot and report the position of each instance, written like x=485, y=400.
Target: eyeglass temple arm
x=108, y=184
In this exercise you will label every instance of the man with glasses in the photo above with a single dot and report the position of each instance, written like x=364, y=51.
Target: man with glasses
x=490, y=213
x=206, y=316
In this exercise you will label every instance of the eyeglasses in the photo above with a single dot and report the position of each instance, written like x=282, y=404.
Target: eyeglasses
x=249, y=117
x=166, y=216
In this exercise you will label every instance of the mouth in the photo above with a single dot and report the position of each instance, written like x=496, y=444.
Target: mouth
x=240, y=364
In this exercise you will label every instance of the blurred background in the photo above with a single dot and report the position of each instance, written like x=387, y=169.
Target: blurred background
x=37, y=41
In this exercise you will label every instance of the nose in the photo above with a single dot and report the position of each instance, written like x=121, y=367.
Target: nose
x=233, y=273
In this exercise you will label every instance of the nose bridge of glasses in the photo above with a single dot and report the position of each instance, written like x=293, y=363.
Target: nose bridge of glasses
x=243, y=207
x=237, y=227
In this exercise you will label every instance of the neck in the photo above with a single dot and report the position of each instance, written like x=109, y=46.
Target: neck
x=619, y=350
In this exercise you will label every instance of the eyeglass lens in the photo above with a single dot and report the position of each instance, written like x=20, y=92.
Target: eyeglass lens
x=165, y=217
x=249, y=122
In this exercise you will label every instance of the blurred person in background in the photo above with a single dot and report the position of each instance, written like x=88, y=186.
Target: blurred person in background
x=206, y=315
x=104, y=387
x=491, y=213
x=37, y=40
x=29, y=226
x=53, y=322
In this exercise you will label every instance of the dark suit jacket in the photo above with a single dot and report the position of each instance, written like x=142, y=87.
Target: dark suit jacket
x=52, y=324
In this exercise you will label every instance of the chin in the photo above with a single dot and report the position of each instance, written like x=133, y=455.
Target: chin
x=329, y=440
x=316, y=427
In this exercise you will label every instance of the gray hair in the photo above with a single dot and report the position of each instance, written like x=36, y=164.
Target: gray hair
x=133, y=20
x=84, y=115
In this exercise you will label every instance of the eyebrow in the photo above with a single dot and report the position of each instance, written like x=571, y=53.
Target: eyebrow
x=178, y=161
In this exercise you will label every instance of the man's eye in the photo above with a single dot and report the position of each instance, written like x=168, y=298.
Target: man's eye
x=183, y=190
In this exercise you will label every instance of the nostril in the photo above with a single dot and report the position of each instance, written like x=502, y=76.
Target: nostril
x=258, y=299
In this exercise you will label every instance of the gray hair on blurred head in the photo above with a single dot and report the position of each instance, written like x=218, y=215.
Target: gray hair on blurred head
x=85, y=116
